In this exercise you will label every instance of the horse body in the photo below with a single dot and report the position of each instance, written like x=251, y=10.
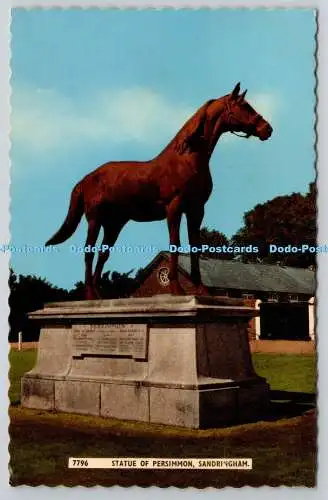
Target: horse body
x=176, y=182
x=142, y=191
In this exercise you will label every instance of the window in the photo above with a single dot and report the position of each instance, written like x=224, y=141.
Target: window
x=248, y=296
x=163, y=276
x=273, y=297
x=293, y=297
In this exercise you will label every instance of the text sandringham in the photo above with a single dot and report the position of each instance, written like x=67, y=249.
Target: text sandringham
x=160, y=463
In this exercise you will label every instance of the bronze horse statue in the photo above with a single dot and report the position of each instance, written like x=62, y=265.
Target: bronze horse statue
x=176, y=182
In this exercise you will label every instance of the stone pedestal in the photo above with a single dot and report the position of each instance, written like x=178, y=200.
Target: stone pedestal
x=174, y=360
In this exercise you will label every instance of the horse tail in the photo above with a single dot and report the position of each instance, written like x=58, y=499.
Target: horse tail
x=75, y=213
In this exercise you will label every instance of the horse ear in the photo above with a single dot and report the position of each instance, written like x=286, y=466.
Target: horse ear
x=242, y=96
x=235, y=92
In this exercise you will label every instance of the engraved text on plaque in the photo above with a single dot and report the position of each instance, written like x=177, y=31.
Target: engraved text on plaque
x=111, y=340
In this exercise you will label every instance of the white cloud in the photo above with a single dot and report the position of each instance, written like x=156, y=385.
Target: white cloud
x=266, y=104
x=44, y=120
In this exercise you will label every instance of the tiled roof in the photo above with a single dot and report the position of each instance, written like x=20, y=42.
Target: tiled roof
x=258, y=277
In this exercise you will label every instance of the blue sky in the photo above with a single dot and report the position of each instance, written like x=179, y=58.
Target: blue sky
x=91, y=86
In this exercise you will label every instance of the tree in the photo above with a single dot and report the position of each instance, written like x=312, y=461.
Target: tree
x=214, y=239
x=117, y=285
x=78, y=292
x=112, y=285
x=139, y=274
x=285, y=220
x=29, y=293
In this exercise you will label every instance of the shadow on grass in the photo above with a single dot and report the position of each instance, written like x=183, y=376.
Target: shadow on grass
x=282, y=405
x=286, y=404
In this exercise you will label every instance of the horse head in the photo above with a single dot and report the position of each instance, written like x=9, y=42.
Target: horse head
x=231, y=113
x=239, y=116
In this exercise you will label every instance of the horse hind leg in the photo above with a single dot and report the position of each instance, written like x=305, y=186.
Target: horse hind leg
x=111, y=232
x=174, y=214
x=93, y=232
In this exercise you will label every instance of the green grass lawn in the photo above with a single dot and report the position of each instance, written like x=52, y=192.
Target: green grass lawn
x=20, y=362
x=283, y=450
x=285, y=372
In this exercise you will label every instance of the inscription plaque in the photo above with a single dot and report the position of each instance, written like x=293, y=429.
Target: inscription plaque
x=110, y=340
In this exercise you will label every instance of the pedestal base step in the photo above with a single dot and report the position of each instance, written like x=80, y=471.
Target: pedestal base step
x=206, y=405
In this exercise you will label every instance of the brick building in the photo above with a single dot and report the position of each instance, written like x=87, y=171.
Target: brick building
x=284, y=295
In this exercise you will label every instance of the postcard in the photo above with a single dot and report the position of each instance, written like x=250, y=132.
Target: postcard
x=163, y=247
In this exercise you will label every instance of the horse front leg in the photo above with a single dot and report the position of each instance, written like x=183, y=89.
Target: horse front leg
x=93, y=231
x=194, y=220
x=174, y=214
x=111, y=232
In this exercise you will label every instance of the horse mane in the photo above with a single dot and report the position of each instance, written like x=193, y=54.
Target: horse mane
x=192, y=131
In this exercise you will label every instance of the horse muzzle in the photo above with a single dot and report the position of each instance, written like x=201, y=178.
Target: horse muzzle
x=264, y=131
